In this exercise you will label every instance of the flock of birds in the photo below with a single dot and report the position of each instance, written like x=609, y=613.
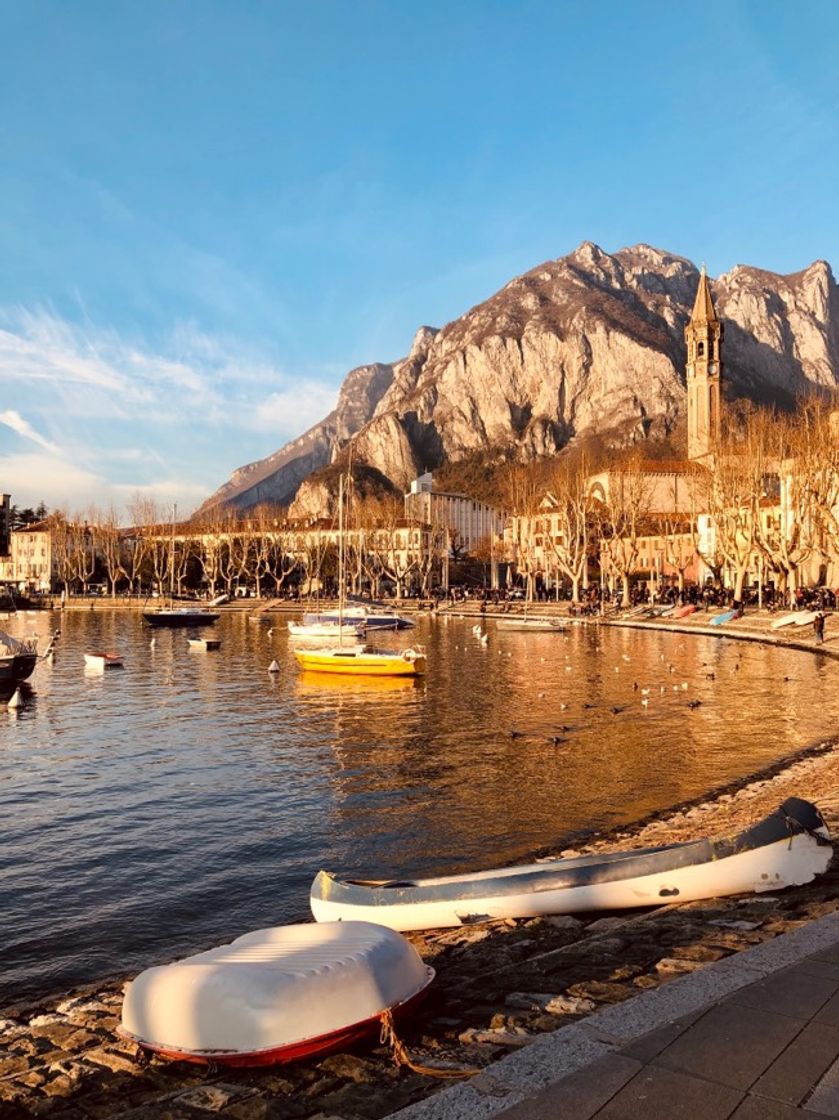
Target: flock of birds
x=646, y=693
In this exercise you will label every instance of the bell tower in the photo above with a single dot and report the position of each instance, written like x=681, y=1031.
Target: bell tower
x=703, y=336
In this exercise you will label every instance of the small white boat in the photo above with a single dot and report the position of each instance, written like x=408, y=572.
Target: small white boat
x=275, y=995
x=373, y=618
x=204, y=643
x=100, y=660
x=328, y=630
x=797, y=618
x=789, y=847
x=531, y=625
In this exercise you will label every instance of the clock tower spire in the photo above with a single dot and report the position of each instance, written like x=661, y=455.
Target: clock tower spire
x=703, y=336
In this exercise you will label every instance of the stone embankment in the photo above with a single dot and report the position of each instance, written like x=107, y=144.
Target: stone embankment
x=499, y=986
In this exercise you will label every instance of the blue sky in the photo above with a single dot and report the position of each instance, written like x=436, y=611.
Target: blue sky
x=211, y=211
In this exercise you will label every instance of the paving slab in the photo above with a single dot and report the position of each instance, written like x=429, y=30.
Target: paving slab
x=731, y=1044
x=794, y=992
x=805, y=1061
x=678, y=1096
x=825, y=1097
x=580, y=1095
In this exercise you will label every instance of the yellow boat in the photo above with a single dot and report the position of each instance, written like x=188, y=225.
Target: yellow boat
x=363, y=661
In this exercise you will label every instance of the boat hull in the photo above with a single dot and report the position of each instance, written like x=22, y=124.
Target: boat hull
x=360, y=663
x=772, y=855
x=180, y=618
x=531, y=625
x=17, y=667
x=275, y=995
x=103, y=660
x=797, y=618
x=364, y=617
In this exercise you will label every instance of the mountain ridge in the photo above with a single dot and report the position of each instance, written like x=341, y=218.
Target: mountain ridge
x=590, y=342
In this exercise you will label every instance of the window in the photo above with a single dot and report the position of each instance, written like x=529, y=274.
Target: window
x=700, y=349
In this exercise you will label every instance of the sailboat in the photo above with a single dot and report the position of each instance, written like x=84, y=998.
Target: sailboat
x=178, y=616
x=364, y=659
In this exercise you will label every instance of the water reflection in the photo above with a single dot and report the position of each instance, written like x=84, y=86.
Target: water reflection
x=193, y=795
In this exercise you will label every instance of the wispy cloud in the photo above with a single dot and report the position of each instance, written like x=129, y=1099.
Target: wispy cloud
x=16, y=422
x=115, y=416
x=296, y=408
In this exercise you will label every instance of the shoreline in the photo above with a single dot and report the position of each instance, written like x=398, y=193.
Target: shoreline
x=500, y=985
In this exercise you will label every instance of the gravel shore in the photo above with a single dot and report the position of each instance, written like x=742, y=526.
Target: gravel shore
x=499, y=986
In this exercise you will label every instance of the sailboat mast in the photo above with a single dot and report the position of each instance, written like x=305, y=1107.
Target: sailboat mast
x=340, y=556
x=172, y=554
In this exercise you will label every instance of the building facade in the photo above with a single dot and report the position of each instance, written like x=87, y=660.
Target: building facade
x=470, y=523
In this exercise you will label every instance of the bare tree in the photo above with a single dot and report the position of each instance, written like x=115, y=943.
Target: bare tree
x=733, y=494
x=112, y=548
x=522, y=495
x=620, y=520
x=567, y=514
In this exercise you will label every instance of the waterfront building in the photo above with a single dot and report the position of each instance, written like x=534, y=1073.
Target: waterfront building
x=470, y=523
x=32, y=560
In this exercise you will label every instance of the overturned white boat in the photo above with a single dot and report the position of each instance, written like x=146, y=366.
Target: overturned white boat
x=275, y=995
x=789, y=847
x=531, y=625
x=797, y=618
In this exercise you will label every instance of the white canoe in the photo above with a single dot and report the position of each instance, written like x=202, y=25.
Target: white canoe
x=275, y=995
x=789, y=847
x=797, y=618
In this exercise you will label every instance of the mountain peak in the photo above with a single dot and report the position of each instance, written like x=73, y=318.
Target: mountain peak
x=590, y=343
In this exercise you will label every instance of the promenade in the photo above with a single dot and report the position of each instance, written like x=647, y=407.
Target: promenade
x=754, y=1037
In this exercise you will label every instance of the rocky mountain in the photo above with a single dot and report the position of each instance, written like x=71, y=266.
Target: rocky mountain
x=591, y=342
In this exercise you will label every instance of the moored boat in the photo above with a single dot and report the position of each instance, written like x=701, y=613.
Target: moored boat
x=789, y=847
x=275, y=995
x=363, y=660
x=100, y=660
x=373, y=618
x=204, y=643
x=180, y=616
x=531, y=625
x=17, y=658
x=328, y=629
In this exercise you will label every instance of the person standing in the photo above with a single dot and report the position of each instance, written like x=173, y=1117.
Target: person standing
x=818, y=627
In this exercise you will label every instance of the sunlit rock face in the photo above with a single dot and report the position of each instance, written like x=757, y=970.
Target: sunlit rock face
x=590, y=343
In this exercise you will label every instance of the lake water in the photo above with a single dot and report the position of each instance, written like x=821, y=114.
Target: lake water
x=170, y=806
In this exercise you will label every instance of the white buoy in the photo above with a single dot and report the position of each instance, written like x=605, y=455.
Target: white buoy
x=151, y=643
x=270, y=631
x=274, y=667
x=16, y=700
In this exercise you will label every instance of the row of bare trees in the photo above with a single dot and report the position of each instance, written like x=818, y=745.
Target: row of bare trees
x=261, y=551
x=765, y=505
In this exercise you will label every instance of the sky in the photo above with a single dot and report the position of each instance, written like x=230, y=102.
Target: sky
x=211, y=211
